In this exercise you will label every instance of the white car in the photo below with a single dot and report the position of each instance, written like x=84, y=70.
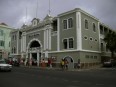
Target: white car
x=4, y=66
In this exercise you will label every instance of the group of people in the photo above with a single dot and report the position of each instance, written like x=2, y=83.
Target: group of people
x=64, y=64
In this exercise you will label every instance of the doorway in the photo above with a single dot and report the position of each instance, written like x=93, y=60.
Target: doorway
x=34, y=59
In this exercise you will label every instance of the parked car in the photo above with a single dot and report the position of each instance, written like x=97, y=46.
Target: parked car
x=109, y=63
x=4, y=66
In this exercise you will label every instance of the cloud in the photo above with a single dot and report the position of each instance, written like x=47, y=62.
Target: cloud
x=12, y=12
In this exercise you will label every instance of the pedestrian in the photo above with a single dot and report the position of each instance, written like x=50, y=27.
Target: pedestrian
x=49, y=62
x=43, y=63
x=30, y=62
x=66, y=64
x=62, y=64
x=79, y=65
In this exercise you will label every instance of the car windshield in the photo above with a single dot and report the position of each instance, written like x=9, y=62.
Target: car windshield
x=2, y=62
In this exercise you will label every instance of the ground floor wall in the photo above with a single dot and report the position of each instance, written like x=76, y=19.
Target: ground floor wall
x=86, y=59
x=4, y=54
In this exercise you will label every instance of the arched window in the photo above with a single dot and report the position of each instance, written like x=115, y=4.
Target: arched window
x=14, y=50
x=65, y=42
x=86, y=24
x=94, y=27
x=70, y=42
x=65, y=24
x=70, y=23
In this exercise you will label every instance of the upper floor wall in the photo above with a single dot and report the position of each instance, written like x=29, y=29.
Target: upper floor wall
x=90, y=32
x=5, y=38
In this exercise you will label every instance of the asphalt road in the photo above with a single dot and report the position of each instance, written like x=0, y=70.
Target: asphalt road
x=34, y=77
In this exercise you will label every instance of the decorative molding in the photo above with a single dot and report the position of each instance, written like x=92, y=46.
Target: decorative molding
x=73, y=51
x=34, y=39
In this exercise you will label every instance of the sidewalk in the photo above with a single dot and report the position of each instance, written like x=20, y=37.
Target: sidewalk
x=54, y=68
x=47, y=68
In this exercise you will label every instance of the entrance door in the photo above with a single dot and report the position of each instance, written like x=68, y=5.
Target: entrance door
x=34, y=59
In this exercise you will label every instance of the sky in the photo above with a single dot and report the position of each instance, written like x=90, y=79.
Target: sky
x=17, y=12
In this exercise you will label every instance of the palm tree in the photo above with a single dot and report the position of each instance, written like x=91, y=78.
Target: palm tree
x=110, y=40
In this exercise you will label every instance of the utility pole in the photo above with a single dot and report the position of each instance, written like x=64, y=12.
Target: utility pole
x=49, y=7
x=37, y=9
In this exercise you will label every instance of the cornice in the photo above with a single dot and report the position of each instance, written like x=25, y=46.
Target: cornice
x=78, y=10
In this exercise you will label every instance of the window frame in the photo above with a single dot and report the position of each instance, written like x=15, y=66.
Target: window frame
x=68, y=43
x=86, y=22
x=65, y=43
x=94, y=27
x=71, y=44
x=70, y=22
x=65, y=24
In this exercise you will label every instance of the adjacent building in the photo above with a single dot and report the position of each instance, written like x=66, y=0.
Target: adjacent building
x=73, y=35
x=5, y=40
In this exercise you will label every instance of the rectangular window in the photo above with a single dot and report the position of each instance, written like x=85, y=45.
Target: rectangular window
x=65, y=24
x=1, y=32
x=70, y=23
x=86, y=56
x=92, y=57
x=70, y=42
x=54, y=25
x=15, y=37
x=95, y=57
x=9, y=44
x=65, y=43
x=1, y=43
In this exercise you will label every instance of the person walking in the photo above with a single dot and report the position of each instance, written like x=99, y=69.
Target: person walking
x=66, y=64
x=43, y=63
x=62, y=64
x=49, y=62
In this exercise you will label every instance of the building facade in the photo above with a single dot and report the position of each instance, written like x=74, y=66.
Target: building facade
x=5, y=40
x=73, y=35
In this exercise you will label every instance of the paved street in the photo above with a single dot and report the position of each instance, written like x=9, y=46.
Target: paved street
x=34, y=77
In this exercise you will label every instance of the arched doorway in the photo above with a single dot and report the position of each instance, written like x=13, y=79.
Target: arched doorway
x=34, y=45
x=34, y=51
x=70, y=62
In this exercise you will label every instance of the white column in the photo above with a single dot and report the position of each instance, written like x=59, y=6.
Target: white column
x=22, y=55
x=25, y=44
x=38, y=59
x=46, y=54
x=26, y=55
x=50, y=38
x=58, y=34
x=21, y=44
x=78, y=31
x=24, y=41
x=17, y=42
x=30, y=55
x=45, y=39
x=99, y=37
x=47, y=43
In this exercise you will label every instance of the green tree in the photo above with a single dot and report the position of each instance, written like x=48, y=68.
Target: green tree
x=110, y=40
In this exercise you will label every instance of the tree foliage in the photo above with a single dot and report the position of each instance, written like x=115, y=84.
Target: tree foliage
x=110, y=40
